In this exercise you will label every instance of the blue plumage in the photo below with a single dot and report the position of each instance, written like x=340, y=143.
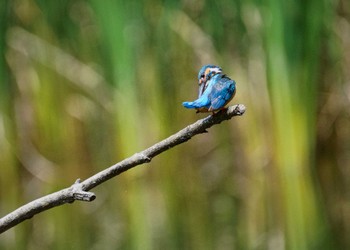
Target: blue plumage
x=215, y=90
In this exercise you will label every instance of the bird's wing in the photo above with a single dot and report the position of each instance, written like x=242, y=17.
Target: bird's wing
x=222, y=92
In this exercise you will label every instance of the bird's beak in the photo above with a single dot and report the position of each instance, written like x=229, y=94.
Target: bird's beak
x=201, y=88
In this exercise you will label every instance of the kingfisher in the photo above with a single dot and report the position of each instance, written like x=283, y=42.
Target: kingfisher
x=215, y=90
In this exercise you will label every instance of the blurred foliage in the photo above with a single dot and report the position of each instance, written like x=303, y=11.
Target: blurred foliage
x=84, y=84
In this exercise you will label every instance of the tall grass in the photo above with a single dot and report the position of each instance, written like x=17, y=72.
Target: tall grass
x=85, y=84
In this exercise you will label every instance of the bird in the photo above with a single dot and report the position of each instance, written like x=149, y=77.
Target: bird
x=216, y=90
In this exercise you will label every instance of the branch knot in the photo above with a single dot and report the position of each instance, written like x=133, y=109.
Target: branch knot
x=79, y=194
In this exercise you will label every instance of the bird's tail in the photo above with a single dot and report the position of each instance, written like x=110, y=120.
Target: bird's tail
x=189, y=105
x=199, y=103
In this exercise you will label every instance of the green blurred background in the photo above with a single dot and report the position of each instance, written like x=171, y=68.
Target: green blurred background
x=84, y=84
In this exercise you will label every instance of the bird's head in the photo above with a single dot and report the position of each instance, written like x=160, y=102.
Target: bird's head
x=205, y=74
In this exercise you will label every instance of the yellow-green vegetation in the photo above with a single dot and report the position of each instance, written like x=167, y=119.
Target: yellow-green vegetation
x=85, y=84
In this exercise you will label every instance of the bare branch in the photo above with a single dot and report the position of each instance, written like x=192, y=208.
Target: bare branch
x=79, y=190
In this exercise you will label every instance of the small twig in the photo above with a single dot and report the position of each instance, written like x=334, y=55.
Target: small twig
x=79, y=190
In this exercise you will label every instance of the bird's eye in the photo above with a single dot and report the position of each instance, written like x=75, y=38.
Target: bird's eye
x=202, y=76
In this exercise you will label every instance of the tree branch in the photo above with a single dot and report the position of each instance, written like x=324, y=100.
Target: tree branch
x=79, y=190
